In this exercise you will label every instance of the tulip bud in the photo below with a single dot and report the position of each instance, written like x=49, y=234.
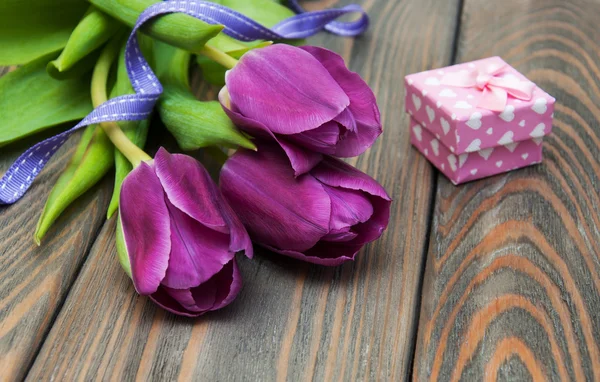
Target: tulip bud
x=179, y=237
x=305, y=99
x=94, y=29
x=324, y=216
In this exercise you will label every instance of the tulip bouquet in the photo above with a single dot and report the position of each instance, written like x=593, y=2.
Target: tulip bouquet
x=285, y=111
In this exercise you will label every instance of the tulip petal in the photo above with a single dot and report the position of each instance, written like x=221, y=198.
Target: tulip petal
x=239, y=238
x=226, y=286
x=286, y=88
x=322, y=139
x=185, y=298
x=372, y=229
x=346, y=119
x=163, y=298
x=340, y=236
x=216, y=293
x=197, y=252
x=363, y=105
x=348, y=207
x=335, y=173
x=324, y=253
x=189, y=187
x=302, y=160
x=276, y=208
x=146, y=228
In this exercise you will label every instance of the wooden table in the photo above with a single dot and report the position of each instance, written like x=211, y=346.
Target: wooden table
x=495, y=279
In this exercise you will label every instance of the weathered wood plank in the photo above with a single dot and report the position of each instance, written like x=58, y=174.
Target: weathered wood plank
x=512, y=283
x=35, y=280
x=291, y=321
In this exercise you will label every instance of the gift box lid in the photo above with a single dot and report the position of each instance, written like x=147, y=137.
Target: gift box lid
x=454, y=113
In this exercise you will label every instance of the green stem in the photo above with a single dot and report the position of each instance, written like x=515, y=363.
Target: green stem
x=99, y=79
x=218, y=56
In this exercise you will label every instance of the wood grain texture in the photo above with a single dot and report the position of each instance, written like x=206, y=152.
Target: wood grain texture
x=512, y=282
x=291, y=321
x=35, y=280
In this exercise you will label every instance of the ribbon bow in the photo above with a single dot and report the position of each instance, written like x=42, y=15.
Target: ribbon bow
x=495, y=89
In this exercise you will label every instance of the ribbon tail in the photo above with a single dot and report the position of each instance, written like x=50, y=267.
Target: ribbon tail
x=517, y=89
x=494, y=99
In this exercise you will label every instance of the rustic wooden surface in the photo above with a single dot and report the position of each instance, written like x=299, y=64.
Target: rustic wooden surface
x=34, y=280
x=511, y=284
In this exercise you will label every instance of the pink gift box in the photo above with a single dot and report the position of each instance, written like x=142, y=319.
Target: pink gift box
x=454, y=117
x=460, y=168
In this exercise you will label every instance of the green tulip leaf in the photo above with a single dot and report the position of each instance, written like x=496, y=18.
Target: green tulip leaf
x=33, y=28
x=31, y=100
x=177, y=29
x=94, y=29
x=193, y=123
x=92, y=159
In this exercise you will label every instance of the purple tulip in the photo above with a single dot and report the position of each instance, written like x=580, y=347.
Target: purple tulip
x=305, y=99
x=181, y=236
x=324, y=216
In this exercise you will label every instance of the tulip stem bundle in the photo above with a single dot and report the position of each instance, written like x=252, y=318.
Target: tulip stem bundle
x=99, y=79
x=219, y=56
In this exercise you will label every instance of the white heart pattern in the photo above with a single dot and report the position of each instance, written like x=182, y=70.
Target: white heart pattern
x=462, y=158
x=522, y=123
x=424, y=92
x=463, y=105
x=525, y=156
x=426, y=152
x=416, y=101
x=512, y=146
x=410, y=81
x=540, y=105
x=445, y=125
x=538, y=141
x=438, y=104
x=430, y=113
x=475, y=121
x=508, y=114
x=474, y=171
x=447, y=93
x=506, y=138
x=435, y=145
x=474, y=146
x=452, y=162
x=490, y=131
x=499, y=164
x=485, y=154
x=432, y=81
x=418, y=130
x=538, y=132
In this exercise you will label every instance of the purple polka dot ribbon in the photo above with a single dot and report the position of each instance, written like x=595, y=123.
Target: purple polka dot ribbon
x=21, y=174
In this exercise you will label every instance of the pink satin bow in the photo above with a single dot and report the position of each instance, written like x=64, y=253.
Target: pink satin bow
x=495, y=89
